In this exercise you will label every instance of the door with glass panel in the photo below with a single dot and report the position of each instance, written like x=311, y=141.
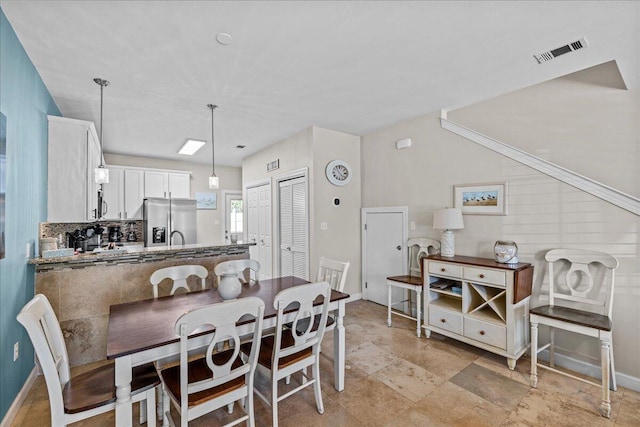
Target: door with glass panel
x=233, y=217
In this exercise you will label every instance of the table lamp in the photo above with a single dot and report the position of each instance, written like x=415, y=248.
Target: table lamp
x=448, y=219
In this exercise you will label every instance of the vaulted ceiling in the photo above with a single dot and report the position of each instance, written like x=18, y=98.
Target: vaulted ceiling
x=352, y=66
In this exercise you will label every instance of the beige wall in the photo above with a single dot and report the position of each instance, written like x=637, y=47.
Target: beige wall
x=313, y=148
x=341, y=239
x=210, y=222
x=580, y=125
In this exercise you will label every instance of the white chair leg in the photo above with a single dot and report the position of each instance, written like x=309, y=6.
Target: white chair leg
x=614, y=385
x=166, y=404
x=230, y=408
x=143, y=411
x=552, y=347
x=274, y=403
x=287, y=380
x=151, y=408
x=534, y=355
x=159, y=402
x=605, y=406
x=316, y=385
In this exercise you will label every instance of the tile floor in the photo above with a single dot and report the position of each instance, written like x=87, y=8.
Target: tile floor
x=396, y=379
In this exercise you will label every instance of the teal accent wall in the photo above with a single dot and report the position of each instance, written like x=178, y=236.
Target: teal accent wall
x=26, y=102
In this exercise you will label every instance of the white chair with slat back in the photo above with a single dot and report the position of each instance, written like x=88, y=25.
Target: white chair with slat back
x=288, y=352
x=333, y=272
x=198, y=386
x=580, y=301
x=178, y=274
x=91, y=393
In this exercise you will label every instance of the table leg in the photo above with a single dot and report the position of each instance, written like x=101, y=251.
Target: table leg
x=388, y=304
x=124, y=409
x=339, y=348
x=418, y=300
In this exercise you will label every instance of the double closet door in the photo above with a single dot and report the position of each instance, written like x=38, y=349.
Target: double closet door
x=293, y=227
x=259, y=227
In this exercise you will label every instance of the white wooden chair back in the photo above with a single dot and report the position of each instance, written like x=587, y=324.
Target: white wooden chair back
x=223, y=317
x=333, y=272
x=305, y=337
x=178, y=274
x=582, y=279
x=238, y=266
x=40, y=321
x=419, y=248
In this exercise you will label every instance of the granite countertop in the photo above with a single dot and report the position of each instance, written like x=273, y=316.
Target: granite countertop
x=133, y=251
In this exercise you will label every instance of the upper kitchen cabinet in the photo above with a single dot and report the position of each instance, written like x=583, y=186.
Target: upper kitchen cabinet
x=124, y=193
x=74, y=153
x=167, y=184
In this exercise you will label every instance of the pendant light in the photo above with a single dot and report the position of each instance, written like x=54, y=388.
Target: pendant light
x=101, y=173
x=214, y=181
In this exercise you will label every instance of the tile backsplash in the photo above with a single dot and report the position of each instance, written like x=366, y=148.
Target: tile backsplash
x=55, y=229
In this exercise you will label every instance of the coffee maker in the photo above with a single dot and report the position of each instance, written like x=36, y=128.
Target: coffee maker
x=114, y=233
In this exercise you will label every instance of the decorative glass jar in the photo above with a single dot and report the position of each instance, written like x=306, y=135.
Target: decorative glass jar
x=506, y=252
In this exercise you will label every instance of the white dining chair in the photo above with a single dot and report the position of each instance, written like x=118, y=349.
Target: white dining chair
x=198, y=386
x=286, y=352
x=580, y=301
x=90, y=393
x=178, y=274
x=239, y=266
x=333, y=272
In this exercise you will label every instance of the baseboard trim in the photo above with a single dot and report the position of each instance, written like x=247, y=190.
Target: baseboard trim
x=594, y=371
x=354, y=297
x=19, y=400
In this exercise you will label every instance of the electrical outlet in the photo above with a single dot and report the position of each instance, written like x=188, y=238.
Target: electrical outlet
x=324, y=226
x=28, y=250
x=412, y=225
x=16, y=351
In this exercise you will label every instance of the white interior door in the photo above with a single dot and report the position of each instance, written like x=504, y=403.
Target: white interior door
x=293, y=227
x=233, y=217
x=384, y=238
x=259, y=227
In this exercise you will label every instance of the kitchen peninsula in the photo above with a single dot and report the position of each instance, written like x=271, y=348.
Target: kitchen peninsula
x=81, y=288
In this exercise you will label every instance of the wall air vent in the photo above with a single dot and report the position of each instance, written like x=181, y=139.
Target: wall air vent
x=549, y=55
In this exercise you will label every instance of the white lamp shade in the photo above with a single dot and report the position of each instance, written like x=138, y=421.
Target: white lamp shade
x=448, y=219
x=214, y=182
x=101, y=175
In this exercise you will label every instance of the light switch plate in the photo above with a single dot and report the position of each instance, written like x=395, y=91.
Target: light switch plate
x=412, y=225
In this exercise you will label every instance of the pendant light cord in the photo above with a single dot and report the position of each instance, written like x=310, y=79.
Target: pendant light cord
x=213, y=146
x=102, y=83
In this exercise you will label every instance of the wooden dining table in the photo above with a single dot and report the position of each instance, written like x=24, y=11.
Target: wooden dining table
x=143, y=331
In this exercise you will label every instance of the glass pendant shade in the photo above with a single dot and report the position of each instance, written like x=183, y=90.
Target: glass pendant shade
x=214, y=182
x=101, y=175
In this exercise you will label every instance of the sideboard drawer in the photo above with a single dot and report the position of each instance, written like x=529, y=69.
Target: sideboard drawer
x=485, y=332
x=444, y=319
x=444, y=269
x=484, y=275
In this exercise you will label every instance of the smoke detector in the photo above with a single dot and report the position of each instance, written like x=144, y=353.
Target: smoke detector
x=554, y=53
x=224, y=39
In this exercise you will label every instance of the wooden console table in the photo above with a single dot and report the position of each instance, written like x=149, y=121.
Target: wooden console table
x=480, y=302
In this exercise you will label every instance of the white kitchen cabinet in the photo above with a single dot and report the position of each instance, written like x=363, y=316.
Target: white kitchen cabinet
x=113, y=194
x=73, y=154
x=133, y=193
x=124, y=193
x=167, y=184
x=480, y=302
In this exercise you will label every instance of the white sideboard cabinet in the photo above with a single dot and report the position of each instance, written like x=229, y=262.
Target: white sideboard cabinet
x=480, y=302
x=73, y=154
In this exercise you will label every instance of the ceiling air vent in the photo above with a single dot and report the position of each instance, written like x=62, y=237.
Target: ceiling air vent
x=549, y=55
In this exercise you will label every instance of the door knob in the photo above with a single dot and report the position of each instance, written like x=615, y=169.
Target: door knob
x=399, y=247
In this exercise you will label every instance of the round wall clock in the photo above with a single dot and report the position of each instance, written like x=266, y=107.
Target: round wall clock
x=338, y=172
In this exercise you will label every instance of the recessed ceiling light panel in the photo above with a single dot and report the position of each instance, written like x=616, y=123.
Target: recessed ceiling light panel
x=190, y=146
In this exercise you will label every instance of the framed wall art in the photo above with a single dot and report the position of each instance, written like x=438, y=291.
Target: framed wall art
x=206, y=200
x=481, y=199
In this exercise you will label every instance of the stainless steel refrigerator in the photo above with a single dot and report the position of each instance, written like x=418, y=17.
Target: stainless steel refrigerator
x=169, y=221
